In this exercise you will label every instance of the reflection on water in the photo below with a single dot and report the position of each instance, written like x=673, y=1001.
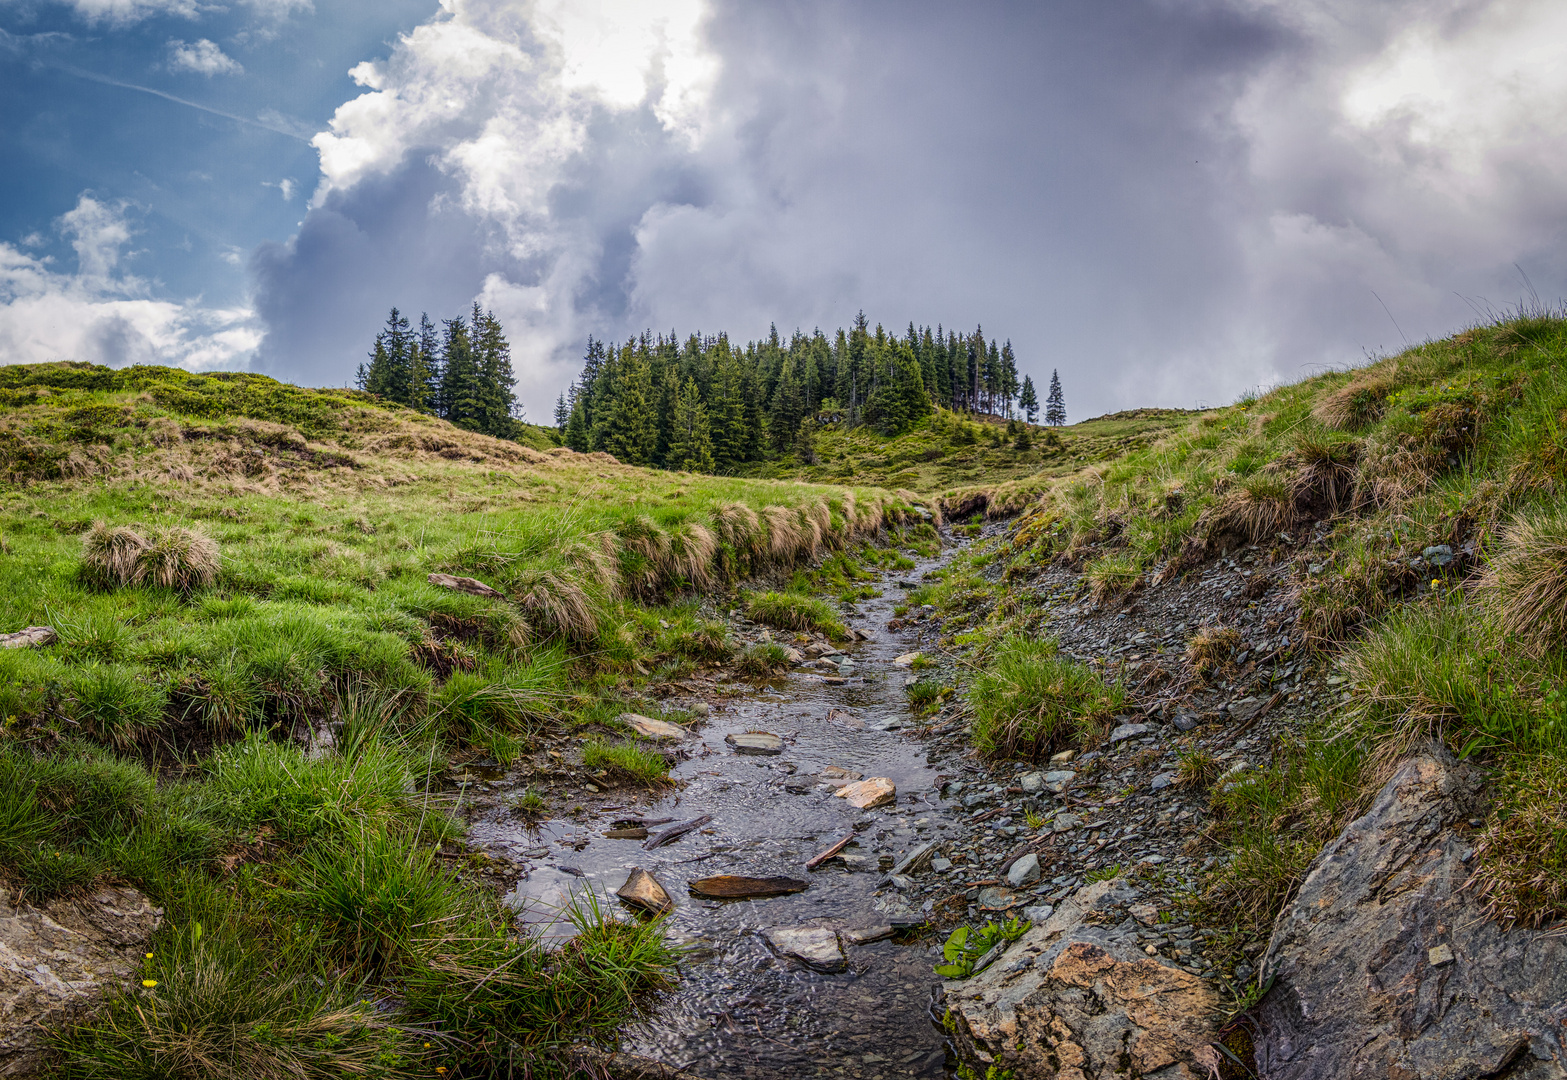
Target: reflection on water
x=740, y=1010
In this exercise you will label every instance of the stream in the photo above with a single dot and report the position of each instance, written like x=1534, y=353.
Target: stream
x=742, y=1009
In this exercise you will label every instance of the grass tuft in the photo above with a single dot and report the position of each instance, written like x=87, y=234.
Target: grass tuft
x=626, y=762
x=1522, y=875
x=1527, y=577
x=1030, y=702
x=795, y=611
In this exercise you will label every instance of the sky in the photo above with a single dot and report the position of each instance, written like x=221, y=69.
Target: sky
x=1172, y=202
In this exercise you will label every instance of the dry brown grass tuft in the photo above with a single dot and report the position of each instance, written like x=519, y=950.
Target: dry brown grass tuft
x=785, y=538
x=690, y=555
x=557, y=604
x=110, y=554
x=739, y=527
x=1211, y=648
x=1527, y=578
x=180, y=559
x=174, y=558
x=1258, y=509
x=1325, y=477
x=1357, y=404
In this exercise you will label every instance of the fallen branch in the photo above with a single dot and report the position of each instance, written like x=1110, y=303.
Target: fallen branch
x=675, y=832
x=830, y=852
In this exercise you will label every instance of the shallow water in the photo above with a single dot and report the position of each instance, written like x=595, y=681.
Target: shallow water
x=740, y=1010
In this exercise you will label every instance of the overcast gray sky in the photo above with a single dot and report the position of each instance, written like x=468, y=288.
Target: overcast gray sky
x=1171, y=202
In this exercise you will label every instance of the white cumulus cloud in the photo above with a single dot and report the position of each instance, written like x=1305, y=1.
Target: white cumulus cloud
x=202, y=57
x=103, y=314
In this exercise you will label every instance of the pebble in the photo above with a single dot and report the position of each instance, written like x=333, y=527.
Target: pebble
x=1129, y=731
x=755, y=742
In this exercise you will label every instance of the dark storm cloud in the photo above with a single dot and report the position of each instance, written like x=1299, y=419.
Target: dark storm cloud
x=1170, y=203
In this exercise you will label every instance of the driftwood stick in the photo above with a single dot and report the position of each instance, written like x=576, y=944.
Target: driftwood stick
x=830, y=852
x=675, y=832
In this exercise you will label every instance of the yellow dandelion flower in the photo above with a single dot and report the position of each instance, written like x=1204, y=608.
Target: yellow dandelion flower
x=149, y=956
x=149, y=983
x=427, y=1046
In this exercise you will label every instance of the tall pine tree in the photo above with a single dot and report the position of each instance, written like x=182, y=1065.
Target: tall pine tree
x=1028, y=400
x=1055, y=402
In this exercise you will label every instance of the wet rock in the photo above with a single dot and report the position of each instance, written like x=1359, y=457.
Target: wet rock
x=867, y=935
x=31, y=638
x=1076, y=997
x=1129, y=731
x=906, y=660
x=794, y=656
x=1385, y=966
x=1031, y=783
x=653, y=729
x=56, y=961
x=755, y=742
x=916, y=860
x=1025, y=871
x=816, y=947
x=543, y=901
x=635, y=832
x=995, y=898
x=702, y=709
x=1438, y=555
x=866, y=794
x=838, y=772
x=643, y=890
x=736, y=887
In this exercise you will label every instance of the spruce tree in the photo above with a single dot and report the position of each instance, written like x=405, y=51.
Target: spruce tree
x=1055, y=402
x=690, y=442
x=1028, y=400
x=576, y=432
x=424, y=367
x=496, y=383
x=461, y=397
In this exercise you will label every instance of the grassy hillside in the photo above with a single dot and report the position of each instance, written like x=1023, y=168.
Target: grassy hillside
x=255, y=692
x=952, y=455
x=1420, y=507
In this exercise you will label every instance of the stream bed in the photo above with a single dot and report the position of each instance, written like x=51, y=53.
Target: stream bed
x=742, y=1009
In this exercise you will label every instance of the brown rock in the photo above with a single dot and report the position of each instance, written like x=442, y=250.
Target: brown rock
x=643, y=890
x=1385, y=966
x=1079, y=1000
x=735, y=887
x=865, y=794
x=59, y=959
x=464, y=585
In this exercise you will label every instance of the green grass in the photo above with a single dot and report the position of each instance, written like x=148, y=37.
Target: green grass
x=1029, y=702
x=796, y=611
x=626, y=762
x=237, y=570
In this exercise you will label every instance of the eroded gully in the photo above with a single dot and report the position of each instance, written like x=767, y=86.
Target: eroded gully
x=742, y=1008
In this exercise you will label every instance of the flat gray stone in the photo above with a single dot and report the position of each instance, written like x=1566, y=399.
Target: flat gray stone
x=1129, y=731
x=995, y=898
x=1032, y=783
x=1244, y=709
x=867, y=935
x=1058, y=780
x=1025, y=871
x=1162, y=781
x=755, y=742
x=916, y=860
x=816, y=947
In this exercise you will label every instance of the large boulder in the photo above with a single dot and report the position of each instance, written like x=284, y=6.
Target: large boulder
x=59, y=959
x=1385, y=967
x=1076, y=998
